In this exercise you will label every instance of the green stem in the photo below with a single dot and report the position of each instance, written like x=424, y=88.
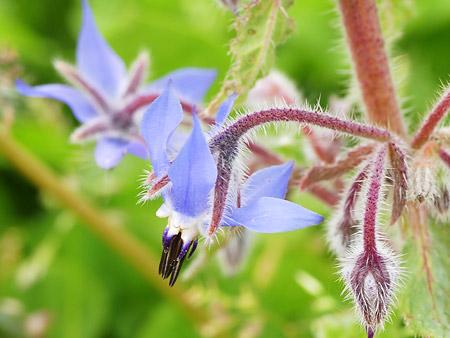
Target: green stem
x=133, y=252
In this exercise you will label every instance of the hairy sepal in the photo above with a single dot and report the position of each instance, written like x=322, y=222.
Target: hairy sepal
x=400, y=176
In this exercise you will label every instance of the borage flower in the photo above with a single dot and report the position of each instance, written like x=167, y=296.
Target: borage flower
x=189, y=181
x=109, y=102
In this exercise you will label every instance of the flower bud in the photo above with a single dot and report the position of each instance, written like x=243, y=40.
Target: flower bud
x=371, y=278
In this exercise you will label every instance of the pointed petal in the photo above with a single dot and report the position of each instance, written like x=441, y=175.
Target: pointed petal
x=224, y=110
x=190, y=83
x=268, y=182
x=193, y=174
x=271, y=215
x=159, y=122
x=80, y=106
x=109, y=152
x=96, y=60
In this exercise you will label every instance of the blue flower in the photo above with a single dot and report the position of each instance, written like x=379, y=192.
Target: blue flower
x=109, y=102
x=259, y=204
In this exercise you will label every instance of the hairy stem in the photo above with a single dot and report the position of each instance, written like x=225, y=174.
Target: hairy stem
x=133, y=252
x=246, y=123
x=227, y=142
x=373, y=195
x=366, y=44
x=432, y=121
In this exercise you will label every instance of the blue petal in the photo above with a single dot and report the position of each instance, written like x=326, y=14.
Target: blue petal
x=138, y=149
x=268, y=182
x=271, y=215
x=224, y=110
x=96, y=60
x=193, y=174
x=109, y=152
x=77, y=102
x=190, y=83
x=159, y=122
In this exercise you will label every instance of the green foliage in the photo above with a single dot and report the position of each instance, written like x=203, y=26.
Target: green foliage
x=426, y=296
x=84, y=286
x=261, y=26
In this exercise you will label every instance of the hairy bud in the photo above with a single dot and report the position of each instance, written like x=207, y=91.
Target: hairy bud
x=371, y=278
x=370, y=269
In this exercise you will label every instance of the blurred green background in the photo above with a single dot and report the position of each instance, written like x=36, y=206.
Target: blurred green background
x=59, y=280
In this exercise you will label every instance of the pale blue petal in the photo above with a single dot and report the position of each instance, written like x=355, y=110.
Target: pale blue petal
x=190, y=83
x=109, y=151
x=138, y=149
x=268, y=182
x=193, y=174
x=80, y=106
x=271, y=215
x=96, y=60
x=159, y=122
x=225, y=110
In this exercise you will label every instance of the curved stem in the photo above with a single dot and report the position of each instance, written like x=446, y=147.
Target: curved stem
x=246, y=123
x=133, y=252
x=227, y=142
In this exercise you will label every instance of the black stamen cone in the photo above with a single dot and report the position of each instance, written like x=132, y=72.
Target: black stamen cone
x=171, y=262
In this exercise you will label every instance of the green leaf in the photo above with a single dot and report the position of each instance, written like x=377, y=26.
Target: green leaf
x=426, y=298
x=262, y=25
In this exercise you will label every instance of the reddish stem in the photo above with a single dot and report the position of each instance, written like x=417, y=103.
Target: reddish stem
x=366, y=43
x=445, y=157
x=373, y=195
x=238, y=129
x=227, y=142
x=432, y=121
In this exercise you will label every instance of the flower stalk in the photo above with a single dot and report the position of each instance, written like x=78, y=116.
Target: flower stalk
x=371, y=64
x=226, y=143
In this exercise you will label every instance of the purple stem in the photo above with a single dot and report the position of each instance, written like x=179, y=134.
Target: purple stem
x=373, y=195
x=227, y=142
x=432, y=121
